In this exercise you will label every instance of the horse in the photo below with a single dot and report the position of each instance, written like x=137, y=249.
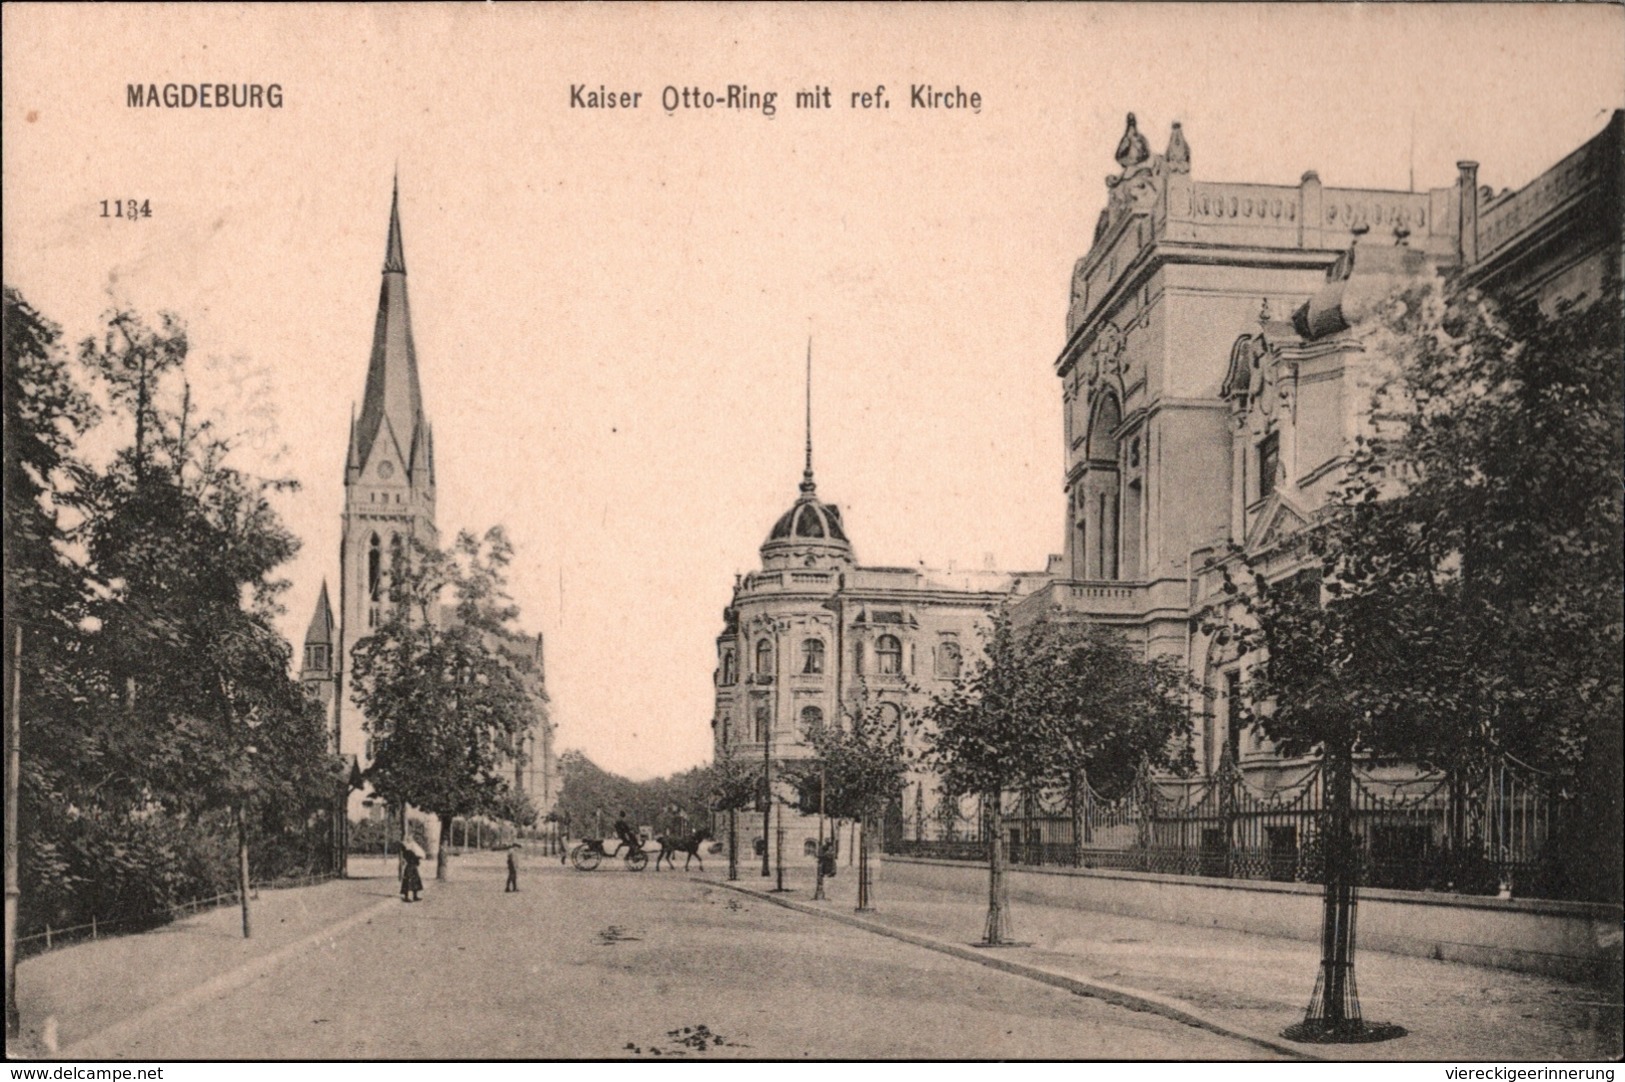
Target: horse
x=688, y=843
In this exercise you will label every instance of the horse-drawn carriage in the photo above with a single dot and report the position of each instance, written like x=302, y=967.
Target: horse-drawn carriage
x=587, y=854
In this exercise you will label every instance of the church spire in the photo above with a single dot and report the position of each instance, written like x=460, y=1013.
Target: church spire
x=394, y=256
x=392, y=404
x=320, y=632
x=807, y=485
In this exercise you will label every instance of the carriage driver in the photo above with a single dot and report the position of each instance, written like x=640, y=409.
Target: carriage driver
x=628, y=836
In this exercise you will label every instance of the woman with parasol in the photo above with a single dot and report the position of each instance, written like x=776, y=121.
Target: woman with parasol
x=411, y=881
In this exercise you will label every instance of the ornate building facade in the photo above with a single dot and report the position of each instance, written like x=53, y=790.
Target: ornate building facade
x=814, y=638
x=1211, y=387
x=389, y=503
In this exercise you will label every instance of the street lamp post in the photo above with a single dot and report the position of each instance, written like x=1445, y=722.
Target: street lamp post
x=733, y=812
x=778, y=843
x=767, y=789
x=818, y=881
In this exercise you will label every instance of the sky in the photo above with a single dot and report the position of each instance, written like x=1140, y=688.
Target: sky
x=612, y=307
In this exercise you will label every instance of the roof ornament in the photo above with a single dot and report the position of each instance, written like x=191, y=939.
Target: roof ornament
x=1177, y=158
x=807, y=486
x=1132, y=150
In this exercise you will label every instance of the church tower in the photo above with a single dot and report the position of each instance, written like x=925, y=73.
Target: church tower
x=317, y=674
x=389, y=486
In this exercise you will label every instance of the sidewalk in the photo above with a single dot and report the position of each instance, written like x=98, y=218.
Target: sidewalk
x=68, y=995
x=1250, y=985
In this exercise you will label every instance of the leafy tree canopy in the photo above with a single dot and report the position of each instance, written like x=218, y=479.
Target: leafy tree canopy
x=1464, y=584
x=446, y=703
x=860, y=768
x=1051, y=700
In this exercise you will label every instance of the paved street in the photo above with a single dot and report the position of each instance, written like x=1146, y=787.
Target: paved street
x=1246, y=983
x=607, y=964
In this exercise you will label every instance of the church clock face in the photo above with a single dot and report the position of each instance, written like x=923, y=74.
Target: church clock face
x=386, y=470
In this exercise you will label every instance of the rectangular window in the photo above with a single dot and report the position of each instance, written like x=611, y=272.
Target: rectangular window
x=1269, y=463
x=1232, y=710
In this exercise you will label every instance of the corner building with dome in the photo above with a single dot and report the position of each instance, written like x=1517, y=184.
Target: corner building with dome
x=814, y=638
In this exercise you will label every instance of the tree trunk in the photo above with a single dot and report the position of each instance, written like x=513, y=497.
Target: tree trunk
x=733, y=844
x=242, y=864
x=442, y=854
x=13, y=788
x=863, y=866
x=998, y=930
x=1334, y=1007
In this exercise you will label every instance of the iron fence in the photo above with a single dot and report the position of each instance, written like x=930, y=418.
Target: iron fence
x=1490, y=829
x=53, y=938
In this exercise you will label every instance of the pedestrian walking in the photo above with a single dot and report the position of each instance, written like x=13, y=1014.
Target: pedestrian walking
x=513, y=870
x=411, y=881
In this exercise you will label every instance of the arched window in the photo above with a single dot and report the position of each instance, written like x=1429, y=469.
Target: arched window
x=889, y=655
x=728, y=667
x=397, y=557
x=1102, y=480
x=890, y=715
x=764, y=657
x=949, y=660
x=375, y=567
x=857, y=656
x=1233, y=729
x=763, y=719
x=812, y=657
x=812, y=720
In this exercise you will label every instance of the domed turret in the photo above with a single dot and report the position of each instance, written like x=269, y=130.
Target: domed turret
x=810, y=534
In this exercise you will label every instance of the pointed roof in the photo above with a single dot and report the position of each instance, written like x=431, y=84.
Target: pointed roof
x=394, y=254
x=810, y=522
x=321, y=627
x=392, y=372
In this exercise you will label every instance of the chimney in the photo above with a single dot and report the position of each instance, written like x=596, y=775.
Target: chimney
x=1467, y=220
x=1311, y=207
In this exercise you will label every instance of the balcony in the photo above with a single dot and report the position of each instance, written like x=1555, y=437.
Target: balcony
x=1085, y=597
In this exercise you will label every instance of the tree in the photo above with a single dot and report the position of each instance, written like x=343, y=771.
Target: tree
x=1495, y=528
x=588, y=792
x=514, y=807
x=1113, y=710
x=1458, y=599
x=1044, y=705
x=45, y=413
x=446, y=703
x=982, y=740
x=187, y=658
x=855, y=773
x=733, y=785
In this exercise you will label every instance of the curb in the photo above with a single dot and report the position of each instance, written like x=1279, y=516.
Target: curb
x=1114, y=994
x=225, y=982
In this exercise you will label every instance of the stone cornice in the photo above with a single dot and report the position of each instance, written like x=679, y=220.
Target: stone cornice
x=1160, y=252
